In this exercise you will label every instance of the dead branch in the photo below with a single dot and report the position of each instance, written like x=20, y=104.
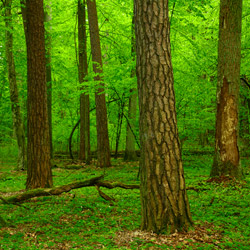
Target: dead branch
x=52, y=191
x=4, y=201
x=105, y=196
x=111, y=185
x=96, y=181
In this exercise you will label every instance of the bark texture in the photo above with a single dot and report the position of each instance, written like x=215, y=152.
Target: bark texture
x=38, y=149
x=164, y=201
x=15, y=105
x=103, y=150
x=84, y=153
x=227, y=157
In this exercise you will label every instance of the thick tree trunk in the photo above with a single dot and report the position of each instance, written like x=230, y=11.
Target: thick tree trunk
x=84, y=153
x=164, y=201
x=227, y=158
x=103, y=150
x=38, y=150
x=15, y=106
x=47, y=19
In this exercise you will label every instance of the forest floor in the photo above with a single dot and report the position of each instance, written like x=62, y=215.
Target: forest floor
x=82, y=219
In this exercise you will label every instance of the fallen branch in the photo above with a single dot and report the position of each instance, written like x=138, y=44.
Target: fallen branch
x=96, y=181
x=52, y=191
x=111, y=185
x=105, y=196
x=4, y=201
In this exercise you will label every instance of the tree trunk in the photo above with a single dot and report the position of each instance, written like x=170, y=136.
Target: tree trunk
x=103, y=150
x=47, y=19
x=38, y=150
x=119, y=126
x=15, y=106
x=84, y=153
x=227, y=158
x=164, y=201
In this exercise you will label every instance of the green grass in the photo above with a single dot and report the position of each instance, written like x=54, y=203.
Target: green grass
x=8, y=155
x=81, y=219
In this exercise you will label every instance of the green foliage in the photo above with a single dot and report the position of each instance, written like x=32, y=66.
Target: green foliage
x=194, y=38
x=82, y=219
x=87, y=221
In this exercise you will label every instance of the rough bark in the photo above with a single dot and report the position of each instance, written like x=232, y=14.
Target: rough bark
x=227, y=158
x=15, y=105
x=47, y=19
x=38, y=149
x=103, y=150
x=84, y=153
x=164, y=201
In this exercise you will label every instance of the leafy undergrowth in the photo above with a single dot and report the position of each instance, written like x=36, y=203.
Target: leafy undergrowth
x=82, y=219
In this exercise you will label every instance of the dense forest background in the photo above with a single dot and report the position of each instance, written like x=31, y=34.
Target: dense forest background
x=97, y=203
x=194, y=39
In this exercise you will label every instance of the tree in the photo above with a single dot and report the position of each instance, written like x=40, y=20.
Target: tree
x=84, y=153
x=38, y=149
x=120, y=105
x=103, y=151
x=15, y=105
x=164, y=199
x=227, y=157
